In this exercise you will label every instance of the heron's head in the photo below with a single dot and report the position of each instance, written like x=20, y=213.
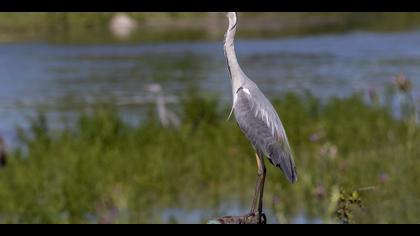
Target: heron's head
x=232, y=16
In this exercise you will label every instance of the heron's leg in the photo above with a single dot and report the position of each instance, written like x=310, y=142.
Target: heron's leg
x=261, y=174
x=259, y=188
x=255, y=199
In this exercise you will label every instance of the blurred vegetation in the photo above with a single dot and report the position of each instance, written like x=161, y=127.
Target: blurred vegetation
x=168, y=26
x=353, y=161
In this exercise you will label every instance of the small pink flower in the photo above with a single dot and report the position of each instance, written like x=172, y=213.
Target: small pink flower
x=383, y=177
x=320, y=192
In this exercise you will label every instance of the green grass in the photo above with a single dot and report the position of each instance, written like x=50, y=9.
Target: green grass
x=103, y=170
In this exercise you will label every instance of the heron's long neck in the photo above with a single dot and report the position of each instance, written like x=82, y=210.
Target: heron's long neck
x=235, y=70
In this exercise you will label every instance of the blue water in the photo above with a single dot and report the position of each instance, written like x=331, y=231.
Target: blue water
x=61, y=79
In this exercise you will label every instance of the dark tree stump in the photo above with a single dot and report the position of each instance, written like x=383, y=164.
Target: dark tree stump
x=253, y=218
x=3, y=154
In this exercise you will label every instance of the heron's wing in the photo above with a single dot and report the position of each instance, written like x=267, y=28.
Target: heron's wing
x=261, y=125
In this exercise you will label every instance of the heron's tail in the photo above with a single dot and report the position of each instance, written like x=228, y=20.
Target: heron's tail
x=281, y=156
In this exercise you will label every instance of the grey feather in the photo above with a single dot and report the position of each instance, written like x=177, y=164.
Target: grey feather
x=260, y=123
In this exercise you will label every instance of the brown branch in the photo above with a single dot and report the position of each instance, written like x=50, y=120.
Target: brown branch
x=253, y=218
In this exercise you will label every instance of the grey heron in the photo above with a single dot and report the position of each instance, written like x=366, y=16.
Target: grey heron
x=166, y=116
x=257, y=119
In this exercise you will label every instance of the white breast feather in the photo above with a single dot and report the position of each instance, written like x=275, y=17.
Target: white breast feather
x=235, y=97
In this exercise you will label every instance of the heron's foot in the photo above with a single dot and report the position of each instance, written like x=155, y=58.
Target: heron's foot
x=259, y=216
